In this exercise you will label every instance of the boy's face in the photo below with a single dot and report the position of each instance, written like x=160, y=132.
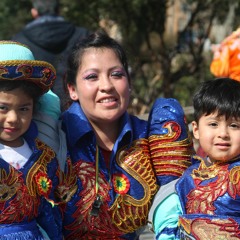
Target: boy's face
x=218, y=137
x=16, y=109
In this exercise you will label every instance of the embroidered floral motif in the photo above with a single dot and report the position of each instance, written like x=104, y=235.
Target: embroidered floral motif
x=121, y=183
x=44, y=184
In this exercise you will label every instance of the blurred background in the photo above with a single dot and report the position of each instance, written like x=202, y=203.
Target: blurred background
x=168, y=42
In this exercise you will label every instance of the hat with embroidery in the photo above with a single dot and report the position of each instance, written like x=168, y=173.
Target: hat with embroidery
x=17, y=63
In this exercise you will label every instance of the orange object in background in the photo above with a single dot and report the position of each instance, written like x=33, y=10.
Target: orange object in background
x=226, y=58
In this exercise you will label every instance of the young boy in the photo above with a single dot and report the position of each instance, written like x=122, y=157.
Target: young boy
x=207, y=196
x=27, y=165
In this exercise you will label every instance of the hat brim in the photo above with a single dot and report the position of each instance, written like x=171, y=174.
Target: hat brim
x=42, y=73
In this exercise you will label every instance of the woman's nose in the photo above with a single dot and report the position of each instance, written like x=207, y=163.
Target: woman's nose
x=105, y=84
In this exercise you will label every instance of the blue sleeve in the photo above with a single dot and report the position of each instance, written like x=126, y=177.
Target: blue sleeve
x=50, y=221
x=165, y=218
x=169, y=140
x=49, y=103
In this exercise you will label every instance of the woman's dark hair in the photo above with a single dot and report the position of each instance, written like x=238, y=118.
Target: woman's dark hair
x=29, y=88
x=95, y=40
x=221, y=95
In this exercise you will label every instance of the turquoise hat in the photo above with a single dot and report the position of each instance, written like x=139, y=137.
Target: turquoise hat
x=17, y=63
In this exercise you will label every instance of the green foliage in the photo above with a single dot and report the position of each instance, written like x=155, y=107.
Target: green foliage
x=13, y=15
x=162, y=64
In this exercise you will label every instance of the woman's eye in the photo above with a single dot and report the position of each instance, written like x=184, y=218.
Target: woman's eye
x=91, y=77
x=118, y=74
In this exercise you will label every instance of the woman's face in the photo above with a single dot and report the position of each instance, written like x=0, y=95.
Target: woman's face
x=102, y=86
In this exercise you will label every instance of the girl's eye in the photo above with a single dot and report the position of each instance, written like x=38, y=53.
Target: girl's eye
x=24, y=109
x=234, y=125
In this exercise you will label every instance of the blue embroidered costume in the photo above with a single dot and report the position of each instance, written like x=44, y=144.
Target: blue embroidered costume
x=202, y=204
x=27, y=194
x=210, y=200
x=146, y=154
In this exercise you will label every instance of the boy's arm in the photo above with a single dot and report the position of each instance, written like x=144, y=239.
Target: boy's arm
x=164, y=213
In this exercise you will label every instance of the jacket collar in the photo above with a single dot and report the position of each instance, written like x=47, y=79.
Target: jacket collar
x=76, y=124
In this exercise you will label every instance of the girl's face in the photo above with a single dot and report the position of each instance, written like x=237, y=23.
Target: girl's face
x=219, y=138
x=102, y=86
x=16, y=110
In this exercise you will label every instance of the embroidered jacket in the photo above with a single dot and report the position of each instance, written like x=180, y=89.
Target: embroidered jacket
x=210, y=199
x=113, y=203
x=27, y=194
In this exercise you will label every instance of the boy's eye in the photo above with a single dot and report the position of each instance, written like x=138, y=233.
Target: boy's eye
x=213, y=124
x=3, y=108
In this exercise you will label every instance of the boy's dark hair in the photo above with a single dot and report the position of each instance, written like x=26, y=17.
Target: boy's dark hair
x=28, y=88
x=221, y=95
x=46, y=7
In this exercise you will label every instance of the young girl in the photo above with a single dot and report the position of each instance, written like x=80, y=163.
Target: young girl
x=27, y=166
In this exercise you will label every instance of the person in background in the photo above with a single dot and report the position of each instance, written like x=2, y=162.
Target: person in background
x=119, y=160
x=28, y=169
x=50, y=38
x=206, y=200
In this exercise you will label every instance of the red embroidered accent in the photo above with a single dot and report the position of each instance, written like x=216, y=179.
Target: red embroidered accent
x=127, y=213
x=203, y=228
x=15, y=202
x=234, y=183
x=201, y=198
x=67, y=186
x=84, y=225
x=170, y=156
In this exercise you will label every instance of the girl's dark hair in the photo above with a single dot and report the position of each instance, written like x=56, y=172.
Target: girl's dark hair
x=98, y=39
x=29, y=88
x=221, y=95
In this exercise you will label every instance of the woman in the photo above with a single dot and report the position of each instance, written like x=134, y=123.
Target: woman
x=115, y=182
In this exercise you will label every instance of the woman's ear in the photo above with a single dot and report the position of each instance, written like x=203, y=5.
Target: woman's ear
x=72, y=92
x=195, y=129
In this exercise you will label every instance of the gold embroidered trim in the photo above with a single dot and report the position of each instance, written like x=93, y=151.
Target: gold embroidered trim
x=130, y=213
x=40, y=165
